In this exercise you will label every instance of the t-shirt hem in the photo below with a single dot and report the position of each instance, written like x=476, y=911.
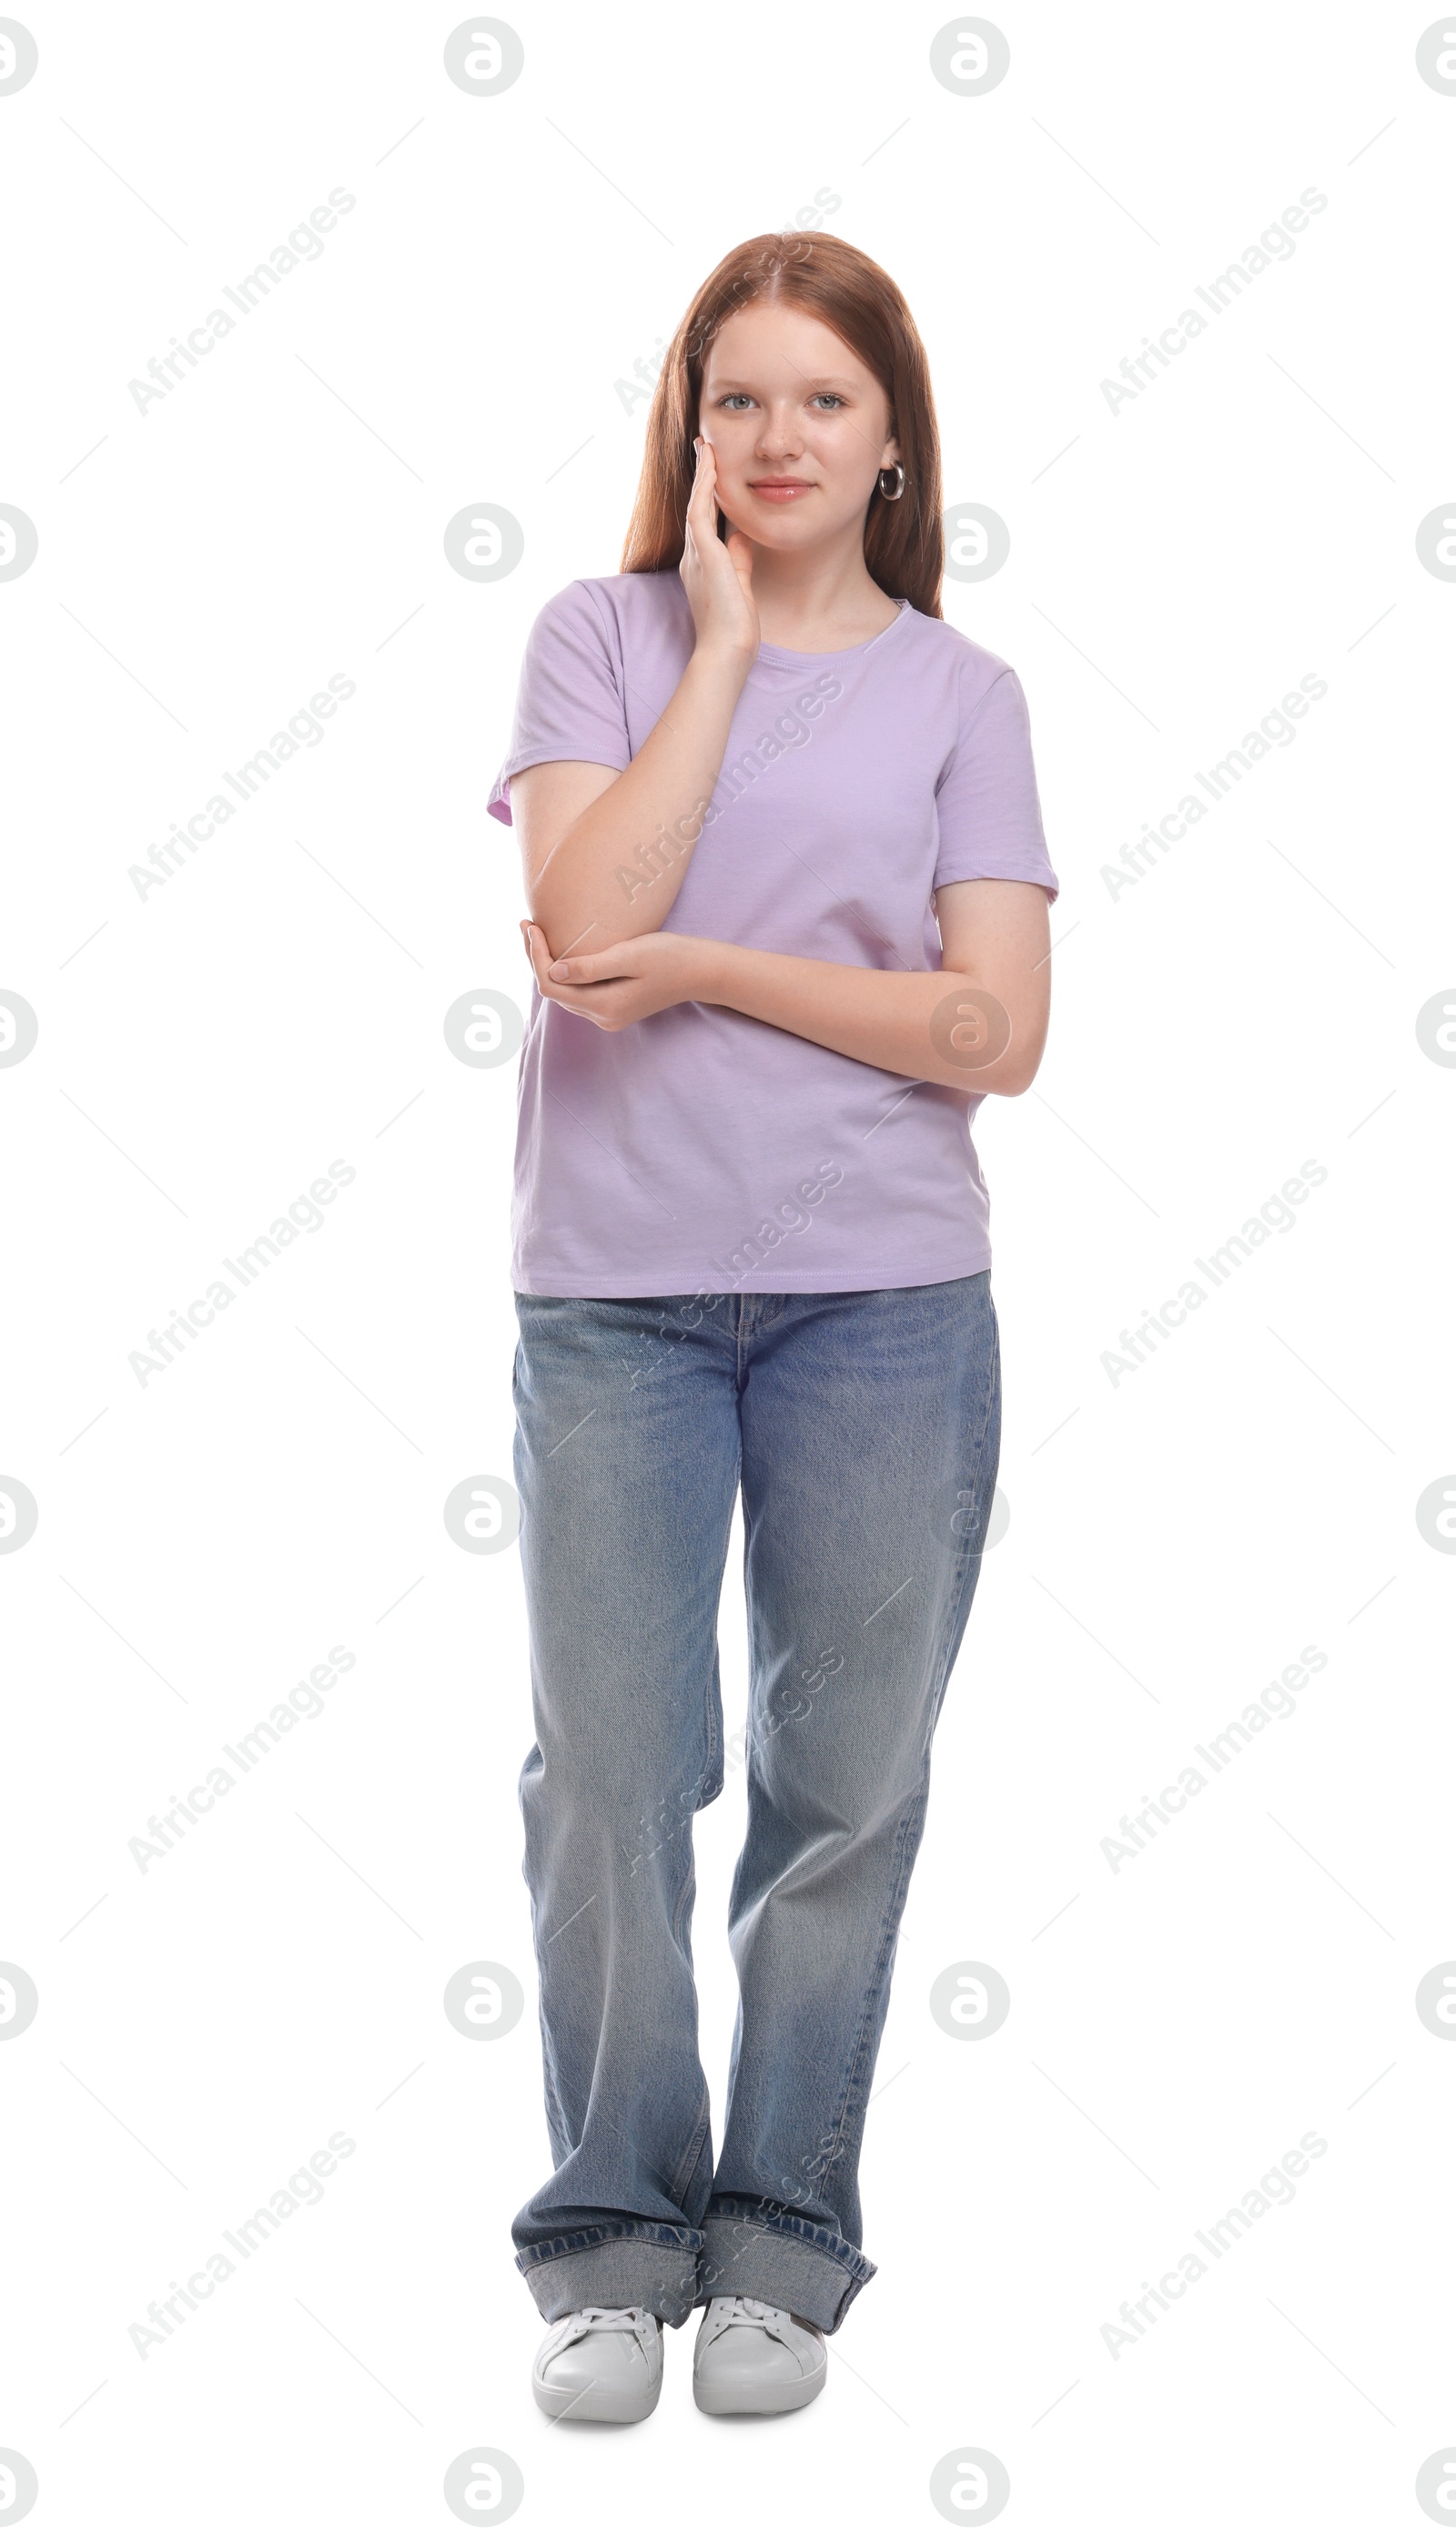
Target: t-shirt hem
x=541, y=1282
x=499, y=799
x=959, y=872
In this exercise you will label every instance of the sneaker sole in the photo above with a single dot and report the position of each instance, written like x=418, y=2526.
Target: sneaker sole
x=765, y=2399
x=594, y=2404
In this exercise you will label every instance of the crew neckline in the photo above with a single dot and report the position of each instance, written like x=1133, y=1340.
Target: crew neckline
x=842, y=653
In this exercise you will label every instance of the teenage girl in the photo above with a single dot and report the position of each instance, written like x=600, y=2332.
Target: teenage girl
x=789, y=896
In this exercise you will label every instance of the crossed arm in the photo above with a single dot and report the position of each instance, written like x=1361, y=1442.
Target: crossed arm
x=978, y=1023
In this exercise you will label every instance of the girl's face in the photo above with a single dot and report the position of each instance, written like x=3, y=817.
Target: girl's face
x=800, y=427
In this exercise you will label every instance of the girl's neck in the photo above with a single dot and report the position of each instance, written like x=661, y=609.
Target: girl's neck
x=812, y=604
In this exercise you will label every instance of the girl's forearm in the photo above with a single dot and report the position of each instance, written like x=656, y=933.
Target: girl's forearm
x=617, y=869
x=937, y=1026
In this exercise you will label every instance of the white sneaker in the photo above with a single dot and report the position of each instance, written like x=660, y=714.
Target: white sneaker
x=601, y=2364
x=756, y=2358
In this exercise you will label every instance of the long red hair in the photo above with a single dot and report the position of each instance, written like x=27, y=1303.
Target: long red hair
x=904, y=541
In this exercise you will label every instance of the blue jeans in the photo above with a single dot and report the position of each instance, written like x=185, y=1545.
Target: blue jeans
x=864, y=1428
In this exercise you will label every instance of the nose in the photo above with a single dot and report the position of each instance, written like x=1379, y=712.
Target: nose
x=779, y=435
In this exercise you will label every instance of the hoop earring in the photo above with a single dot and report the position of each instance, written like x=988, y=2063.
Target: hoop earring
x=892, y=495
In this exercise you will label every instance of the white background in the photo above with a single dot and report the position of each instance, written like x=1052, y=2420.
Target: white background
x=1174, y=1540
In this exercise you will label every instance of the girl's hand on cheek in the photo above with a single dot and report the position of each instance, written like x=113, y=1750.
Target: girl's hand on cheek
x=717, y=575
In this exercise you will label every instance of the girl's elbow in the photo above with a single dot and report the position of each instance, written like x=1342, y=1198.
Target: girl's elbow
x=1013, y=1075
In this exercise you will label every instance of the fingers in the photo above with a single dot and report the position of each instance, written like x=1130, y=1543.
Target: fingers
x=541, y=959
x=741, y=550
x=579, y=968
x=701, y=503
x=546, y=973
x=536, y=952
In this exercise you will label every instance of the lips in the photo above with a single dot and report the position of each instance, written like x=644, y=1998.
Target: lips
x=781, y=490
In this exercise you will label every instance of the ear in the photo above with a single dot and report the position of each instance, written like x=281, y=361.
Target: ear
x=891, y=454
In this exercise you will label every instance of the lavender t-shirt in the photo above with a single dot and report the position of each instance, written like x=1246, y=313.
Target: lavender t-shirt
x=700, y=1151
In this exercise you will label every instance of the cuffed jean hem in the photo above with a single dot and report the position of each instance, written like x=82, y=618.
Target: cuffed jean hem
x=783, y=2262
x=623, y=2267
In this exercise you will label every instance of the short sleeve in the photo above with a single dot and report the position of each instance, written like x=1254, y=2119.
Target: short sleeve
x=987, y=805
x=569, y=705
